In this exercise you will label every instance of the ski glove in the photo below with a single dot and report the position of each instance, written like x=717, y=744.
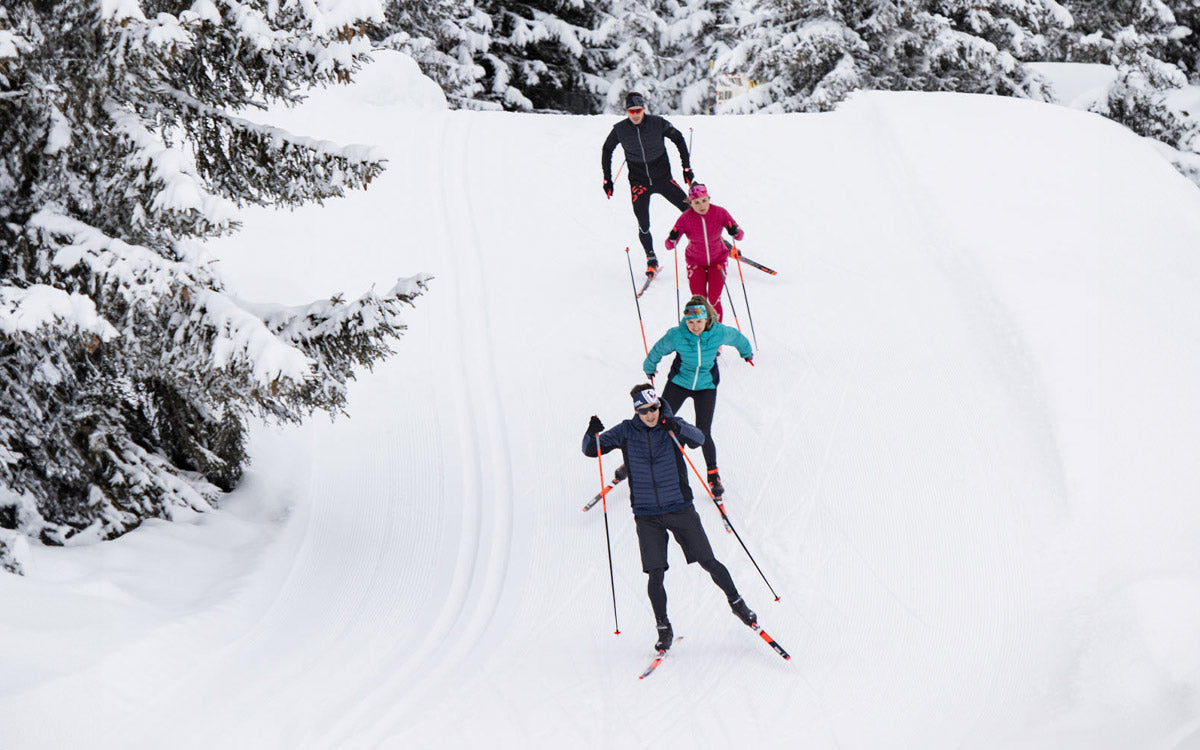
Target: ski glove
x=672, y=238
x=595, y=426
x=672, y=424
x=608, y=188
x=749, y=360
x=689, y=175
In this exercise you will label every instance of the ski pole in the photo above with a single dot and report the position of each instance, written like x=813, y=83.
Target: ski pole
x=738, y=258
x=633, y=283
x=619, y=172
x=678, y=309
x=607, y=541
x=729, y=296
x=721, y=508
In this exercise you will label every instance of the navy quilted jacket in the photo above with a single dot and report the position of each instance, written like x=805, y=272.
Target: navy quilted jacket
x=657, y=472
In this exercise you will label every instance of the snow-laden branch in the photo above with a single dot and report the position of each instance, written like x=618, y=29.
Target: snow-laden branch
x=30, y=310
x=140, y=274
x=182, y=190
x=354, y=152
x=241, y=338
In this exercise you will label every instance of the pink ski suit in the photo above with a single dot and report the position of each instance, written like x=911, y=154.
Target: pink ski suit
x=706, y=252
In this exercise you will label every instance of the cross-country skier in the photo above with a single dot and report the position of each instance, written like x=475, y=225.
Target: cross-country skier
x=643, y=138
x=694, y=373
x=706, y=252
x=662, y=499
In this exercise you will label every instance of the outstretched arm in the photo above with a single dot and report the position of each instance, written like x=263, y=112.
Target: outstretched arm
x=609, y=440
x=610, y=144
x=685, y=159
x=736, y=338
x=660, y=349
x=688, y=434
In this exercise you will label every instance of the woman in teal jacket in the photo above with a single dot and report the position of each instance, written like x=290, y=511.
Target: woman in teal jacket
x=694, y=374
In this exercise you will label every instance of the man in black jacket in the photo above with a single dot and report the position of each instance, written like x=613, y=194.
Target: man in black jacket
x=643, y=137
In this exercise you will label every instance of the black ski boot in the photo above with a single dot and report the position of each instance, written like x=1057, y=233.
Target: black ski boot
x=714, y=483
x=666, y=635
x=742, y=611
x=651, y=265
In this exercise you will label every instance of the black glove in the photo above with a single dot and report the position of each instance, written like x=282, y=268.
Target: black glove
x=608, y=187
x=750, y=360
x=621, y=473
x=672, y=423
x=595, y=426
x=688, y=175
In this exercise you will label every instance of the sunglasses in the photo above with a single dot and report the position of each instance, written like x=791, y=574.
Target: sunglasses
x=635, y=110
x=647, y=409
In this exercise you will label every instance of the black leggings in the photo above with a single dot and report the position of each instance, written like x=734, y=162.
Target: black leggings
x=658, y=592
x=706, y=403
x=640, y=194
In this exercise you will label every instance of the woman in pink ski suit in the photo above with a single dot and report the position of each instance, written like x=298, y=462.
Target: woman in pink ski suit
x=706, y=251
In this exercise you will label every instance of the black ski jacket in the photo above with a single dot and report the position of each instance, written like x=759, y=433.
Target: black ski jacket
x=645, y=149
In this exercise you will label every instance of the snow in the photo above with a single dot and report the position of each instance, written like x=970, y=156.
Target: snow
x=1077, y=85
x=965, y=457
x=28, y=309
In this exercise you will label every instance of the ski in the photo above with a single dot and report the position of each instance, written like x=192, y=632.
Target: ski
x=599, y=495
x=770, y=641
x=646, y=285
x=658, y=660
x=757, y=265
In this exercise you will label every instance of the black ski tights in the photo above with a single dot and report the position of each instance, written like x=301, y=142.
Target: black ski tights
x=658, y=592
x=720, y=576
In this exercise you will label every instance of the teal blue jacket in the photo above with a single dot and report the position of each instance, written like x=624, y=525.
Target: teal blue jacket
x=695, y=365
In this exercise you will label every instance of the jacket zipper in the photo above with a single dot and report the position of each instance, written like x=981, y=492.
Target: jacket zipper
x=699, y=361
x=653, y=479
x=707, y=249
x=638, y=129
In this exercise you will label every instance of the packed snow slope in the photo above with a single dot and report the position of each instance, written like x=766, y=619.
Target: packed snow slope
x=966, y=457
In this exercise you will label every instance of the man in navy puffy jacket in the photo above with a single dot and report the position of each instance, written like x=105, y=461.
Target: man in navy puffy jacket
x=662, y=499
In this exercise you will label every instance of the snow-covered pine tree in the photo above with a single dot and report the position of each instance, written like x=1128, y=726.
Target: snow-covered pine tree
x=1089, y=38
x=545, y=55
x=1183, y=48
x=444, y=37
x=955, y=45
x=698, y=33
x=803, y=55
x=640, y=31
x=1137, y=98
x=127, y=371
x=806, y=55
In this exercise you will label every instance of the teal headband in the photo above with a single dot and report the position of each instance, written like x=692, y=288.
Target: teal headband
x=695, y=312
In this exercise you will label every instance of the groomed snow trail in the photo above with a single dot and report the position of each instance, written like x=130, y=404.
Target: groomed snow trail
x=905, y=460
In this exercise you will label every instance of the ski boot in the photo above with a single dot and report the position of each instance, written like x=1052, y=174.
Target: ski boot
x=742, y=611
x=666, y=635
x=714, y=483
x=651, y=265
